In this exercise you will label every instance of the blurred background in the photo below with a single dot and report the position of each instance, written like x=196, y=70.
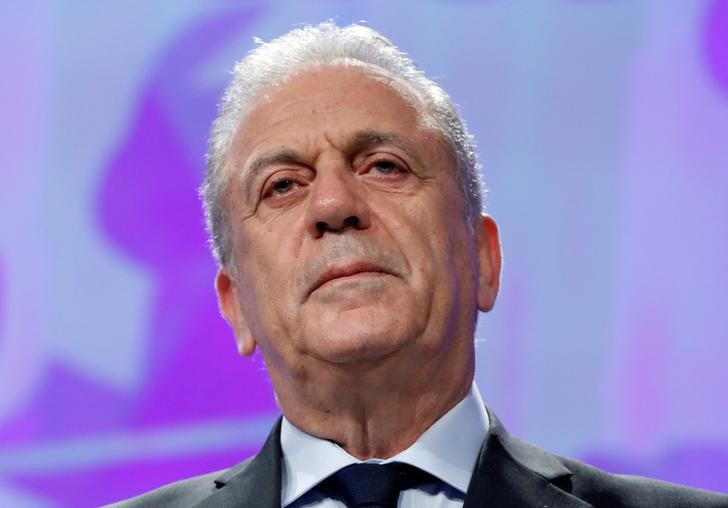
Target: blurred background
x=603, y=129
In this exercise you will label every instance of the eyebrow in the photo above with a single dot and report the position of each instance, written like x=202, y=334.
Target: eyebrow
x=360, y=141
x=366, y=140
x=285, y=156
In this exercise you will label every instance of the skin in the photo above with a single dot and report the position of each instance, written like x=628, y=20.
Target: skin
x=356, y=272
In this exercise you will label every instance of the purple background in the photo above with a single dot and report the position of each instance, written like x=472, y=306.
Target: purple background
x=603, y=128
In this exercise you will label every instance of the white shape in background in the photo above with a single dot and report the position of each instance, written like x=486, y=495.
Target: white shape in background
x=74, y=84
x=673, y=255
x=105, y=70
x=11, y=496
x=100, y=301
x=91, y=452
x=23, y=263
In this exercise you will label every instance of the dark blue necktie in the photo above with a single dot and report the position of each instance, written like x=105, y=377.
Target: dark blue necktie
x=373, y=485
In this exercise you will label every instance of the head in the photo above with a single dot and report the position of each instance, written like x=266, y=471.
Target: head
x=350, y=235
x=270, y=64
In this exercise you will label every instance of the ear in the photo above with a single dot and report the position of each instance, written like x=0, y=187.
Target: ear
x=228, y=300
x=489, y=258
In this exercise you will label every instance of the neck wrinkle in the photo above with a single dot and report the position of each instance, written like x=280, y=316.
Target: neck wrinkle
x=374, y=426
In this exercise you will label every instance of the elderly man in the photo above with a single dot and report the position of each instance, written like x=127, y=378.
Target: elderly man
x=344, y=205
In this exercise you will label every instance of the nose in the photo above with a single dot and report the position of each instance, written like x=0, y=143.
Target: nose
x=336, y=202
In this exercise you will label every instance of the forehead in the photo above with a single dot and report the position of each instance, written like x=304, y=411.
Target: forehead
x=329, y=103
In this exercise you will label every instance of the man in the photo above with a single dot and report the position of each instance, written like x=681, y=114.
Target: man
x=344, y=205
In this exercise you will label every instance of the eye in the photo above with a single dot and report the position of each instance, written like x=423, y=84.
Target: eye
x=282, y=186
x=386, y=167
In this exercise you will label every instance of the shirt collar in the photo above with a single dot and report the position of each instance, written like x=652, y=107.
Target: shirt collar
x=447, y=450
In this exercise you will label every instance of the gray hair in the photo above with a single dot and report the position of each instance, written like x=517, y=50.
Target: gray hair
x=272, y=63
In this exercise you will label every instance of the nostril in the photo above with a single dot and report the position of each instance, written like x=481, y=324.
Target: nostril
x=350, y=222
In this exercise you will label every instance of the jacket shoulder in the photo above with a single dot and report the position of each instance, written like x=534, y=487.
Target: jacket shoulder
x=528, y=470
x=602, y=489
x=253, y=482
x=182, y=493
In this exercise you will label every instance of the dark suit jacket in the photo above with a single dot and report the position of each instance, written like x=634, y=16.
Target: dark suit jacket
x=509, y=474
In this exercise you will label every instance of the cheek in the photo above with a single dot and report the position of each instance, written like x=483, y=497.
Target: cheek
x=423, y=240
x=438, y=228
x=448, y=242
x=257, y=273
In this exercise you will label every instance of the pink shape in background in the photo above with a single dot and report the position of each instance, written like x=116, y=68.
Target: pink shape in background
x=716, y=42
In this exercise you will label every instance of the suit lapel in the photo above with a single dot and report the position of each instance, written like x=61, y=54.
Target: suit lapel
x=514, y=474
x=253, y=483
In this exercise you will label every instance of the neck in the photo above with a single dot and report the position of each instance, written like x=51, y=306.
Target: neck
x=368, y=413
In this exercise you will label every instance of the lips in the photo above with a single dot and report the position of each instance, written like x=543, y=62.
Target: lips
x=337, y=272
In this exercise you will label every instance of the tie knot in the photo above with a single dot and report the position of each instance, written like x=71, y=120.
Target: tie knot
x=373, y=485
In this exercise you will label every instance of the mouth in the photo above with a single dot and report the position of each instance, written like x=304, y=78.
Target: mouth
x=349, y=271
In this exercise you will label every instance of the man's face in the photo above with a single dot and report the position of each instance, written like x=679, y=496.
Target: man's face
x=350, y=238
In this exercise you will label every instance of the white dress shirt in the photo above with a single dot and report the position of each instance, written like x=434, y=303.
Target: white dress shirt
x=448, y=450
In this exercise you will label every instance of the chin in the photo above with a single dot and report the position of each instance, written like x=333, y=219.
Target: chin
x=345, y=346
x=367, y=331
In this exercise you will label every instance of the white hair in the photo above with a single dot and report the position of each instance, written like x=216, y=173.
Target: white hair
x=270, y=64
